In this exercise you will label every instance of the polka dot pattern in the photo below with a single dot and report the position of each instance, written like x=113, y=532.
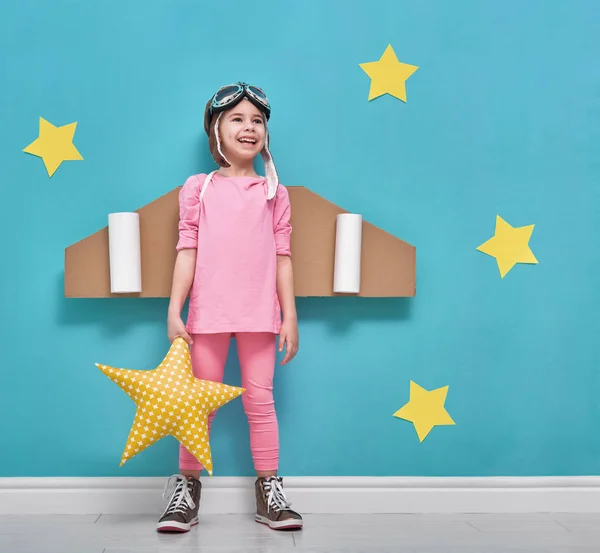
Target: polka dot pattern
x=170, y=400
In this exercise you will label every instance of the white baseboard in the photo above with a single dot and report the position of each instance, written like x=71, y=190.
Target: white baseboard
x=309, y=495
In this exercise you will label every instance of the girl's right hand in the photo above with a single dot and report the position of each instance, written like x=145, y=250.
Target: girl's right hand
x=176, y=328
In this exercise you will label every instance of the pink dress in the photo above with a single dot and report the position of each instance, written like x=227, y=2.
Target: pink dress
x=238, y=234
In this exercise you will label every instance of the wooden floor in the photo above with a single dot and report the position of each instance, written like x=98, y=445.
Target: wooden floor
x=558, y=533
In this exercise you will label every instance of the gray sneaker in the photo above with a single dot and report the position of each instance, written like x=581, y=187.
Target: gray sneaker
x=273, y=507
x=182, y=511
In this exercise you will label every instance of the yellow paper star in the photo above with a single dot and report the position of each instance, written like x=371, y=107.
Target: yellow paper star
x=509, y=245
x=54, y=145
x=425, y=409
x=388, y=75
x=170, y=400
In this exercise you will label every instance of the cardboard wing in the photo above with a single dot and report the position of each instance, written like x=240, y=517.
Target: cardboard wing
x=388, y=264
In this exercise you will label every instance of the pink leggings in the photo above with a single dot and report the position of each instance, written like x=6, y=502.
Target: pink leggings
x=256, y=353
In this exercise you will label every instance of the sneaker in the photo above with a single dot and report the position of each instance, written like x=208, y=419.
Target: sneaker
x=273, y=507
x=182, y=511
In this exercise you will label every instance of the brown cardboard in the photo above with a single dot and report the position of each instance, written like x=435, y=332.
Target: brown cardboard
x=388, y=264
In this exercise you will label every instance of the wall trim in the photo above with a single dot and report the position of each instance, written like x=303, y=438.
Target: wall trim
x=143, y=495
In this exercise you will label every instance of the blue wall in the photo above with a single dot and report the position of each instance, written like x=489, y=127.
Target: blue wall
x=502, y=118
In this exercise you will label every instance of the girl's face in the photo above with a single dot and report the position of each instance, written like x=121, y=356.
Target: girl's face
x=242, y=131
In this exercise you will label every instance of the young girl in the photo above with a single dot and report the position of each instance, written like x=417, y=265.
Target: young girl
x=234, y=261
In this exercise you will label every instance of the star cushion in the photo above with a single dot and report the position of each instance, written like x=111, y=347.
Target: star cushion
x=170, y=400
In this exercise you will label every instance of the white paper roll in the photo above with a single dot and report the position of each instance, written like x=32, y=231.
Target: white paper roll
x=125, y=253
x=348, y=246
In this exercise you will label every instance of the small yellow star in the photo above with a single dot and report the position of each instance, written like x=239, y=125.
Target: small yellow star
x=388, y=75
x=425, y=409
x=170, y=400
x=509, y=245
x=54, y=145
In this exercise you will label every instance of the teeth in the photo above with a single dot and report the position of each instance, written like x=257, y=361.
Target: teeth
x=247, y=140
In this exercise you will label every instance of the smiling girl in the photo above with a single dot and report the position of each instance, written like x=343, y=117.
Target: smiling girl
x=234, y=260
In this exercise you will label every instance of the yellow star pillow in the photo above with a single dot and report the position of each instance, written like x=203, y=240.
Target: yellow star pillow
x=170, y=400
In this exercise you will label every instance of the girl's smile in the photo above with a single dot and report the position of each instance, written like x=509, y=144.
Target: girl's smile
x=243, y=131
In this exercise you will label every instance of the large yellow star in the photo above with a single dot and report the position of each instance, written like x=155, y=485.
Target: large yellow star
x=54, y=145
x=388, y=75
x=170, y=400
x=509, y=245
x=425, y=409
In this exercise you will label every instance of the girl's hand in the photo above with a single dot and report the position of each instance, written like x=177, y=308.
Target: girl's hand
x=176, y=328
x=288, y=335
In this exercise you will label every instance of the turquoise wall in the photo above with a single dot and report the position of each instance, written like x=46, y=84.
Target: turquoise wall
x=502, y=118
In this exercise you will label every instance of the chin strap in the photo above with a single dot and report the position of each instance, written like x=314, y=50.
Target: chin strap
x=218, y=137
x=270, y=171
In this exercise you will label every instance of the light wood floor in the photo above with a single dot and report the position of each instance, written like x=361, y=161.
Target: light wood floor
x=558, y=533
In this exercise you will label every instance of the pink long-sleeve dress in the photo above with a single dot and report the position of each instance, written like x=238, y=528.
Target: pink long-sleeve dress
x=238, y=234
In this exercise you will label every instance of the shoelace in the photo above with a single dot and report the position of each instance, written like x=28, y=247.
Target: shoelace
x=276, y=498
x=181, y=500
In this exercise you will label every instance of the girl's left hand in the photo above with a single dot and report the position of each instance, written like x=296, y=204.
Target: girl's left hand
x=288, y=335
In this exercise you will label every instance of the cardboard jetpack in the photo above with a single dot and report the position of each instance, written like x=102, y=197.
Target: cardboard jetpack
x=387, y=264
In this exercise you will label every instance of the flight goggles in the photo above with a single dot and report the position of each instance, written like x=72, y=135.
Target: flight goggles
x=229, y=95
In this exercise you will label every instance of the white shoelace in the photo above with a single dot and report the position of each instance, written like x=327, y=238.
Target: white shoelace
x=276, y=498
x=180, y=500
